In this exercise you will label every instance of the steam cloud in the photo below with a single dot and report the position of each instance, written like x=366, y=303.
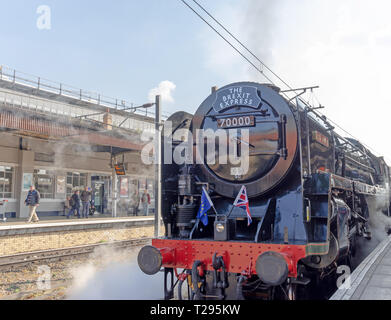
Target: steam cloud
x=342, y=46
x=165, y=89
x=119, y=279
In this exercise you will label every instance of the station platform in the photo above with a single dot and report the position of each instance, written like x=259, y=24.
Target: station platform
x=44, y=219
x=20, y=237
x=371, y=280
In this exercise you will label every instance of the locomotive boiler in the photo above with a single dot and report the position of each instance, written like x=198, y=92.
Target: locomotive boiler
x=309, y=193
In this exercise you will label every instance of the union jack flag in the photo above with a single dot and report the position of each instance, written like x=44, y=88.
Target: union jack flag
x=242, y=201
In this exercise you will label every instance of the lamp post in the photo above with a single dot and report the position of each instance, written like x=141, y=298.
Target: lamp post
x=114, y=192
x=133, y=110
x=158, y=166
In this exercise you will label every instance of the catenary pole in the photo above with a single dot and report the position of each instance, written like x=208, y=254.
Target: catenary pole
x=158, y=166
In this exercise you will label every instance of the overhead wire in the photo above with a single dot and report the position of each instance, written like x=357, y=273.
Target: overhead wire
x=227, y=41
x=241, y=43
x=259, y=60
x=342, y=129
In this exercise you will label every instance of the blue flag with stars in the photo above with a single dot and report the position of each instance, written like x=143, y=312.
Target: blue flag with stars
x=206, y=204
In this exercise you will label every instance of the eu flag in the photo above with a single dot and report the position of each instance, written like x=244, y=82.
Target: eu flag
x=206, y=204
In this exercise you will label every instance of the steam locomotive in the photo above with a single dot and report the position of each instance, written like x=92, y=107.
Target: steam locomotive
x=309, y=192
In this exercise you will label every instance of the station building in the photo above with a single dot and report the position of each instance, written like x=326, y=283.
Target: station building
x=62, y=139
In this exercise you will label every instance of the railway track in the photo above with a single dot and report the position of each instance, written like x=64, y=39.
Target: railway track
x=26, y=258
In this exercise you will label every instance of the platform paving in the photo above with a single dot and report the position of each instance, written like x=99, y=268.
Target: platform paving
x=62, y=218
x=46, y=221
x=19, y=228
x=17, y=238
x=371, y=280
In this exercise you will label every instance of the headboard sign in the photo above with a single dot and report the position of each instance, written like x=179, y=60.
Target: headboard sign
x=246, y=96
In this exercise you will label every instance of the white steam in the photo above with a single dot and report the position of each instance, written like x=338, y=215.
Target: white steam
x=117, y=277
x=165, y=89
x=342, y=46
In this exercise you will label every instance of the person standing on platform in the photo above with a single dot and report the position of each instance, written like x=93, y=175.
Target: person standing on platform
x=75, y=204
x=32, y=201
x=67, y=205
x=145, y=201
x=85, y=201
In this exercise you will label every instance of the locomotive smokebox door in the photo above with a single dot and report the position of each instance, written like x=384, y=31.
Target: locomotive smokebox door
x=221, y=229
x=260, y=127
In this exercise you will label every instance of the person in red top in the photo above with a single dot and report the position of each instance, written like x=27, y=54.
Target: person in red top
x=145, y=202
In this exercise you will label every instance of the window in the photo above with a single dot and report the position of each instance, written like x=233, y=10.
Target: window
x=6, y=176
x=133, y=187
x=44, y=183
x=75, y=181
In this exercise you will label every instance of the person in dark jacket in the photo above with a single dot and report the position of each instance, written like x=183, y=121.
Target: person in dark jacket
x=85, y=201
x=75, y=204
x=32, y=201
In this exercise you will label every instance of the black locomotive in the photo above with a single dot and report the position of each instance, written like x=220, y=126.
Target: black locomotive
x=310, y=193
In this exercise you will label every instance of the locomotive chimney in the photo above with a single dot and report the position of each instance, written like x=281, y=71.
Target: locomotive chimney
x=214, y=89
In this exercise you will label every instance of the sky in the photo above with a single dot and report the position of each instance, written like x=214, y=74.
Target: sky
x=131, y=49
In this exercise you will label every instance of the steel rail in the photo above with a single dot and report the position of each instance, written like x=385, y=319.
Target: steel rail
x=25, y=258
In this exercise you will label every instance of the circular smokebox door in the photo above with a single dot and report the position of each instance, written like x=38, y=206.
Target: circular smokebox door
x=267, y=127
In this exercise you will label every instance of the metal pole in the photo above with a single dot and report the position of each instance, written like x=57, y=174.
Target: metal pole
x=158, y=167
x=114, y=193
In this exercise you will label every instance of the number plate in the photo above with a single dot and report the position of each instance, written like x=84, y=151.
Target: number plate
x=236, y=122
